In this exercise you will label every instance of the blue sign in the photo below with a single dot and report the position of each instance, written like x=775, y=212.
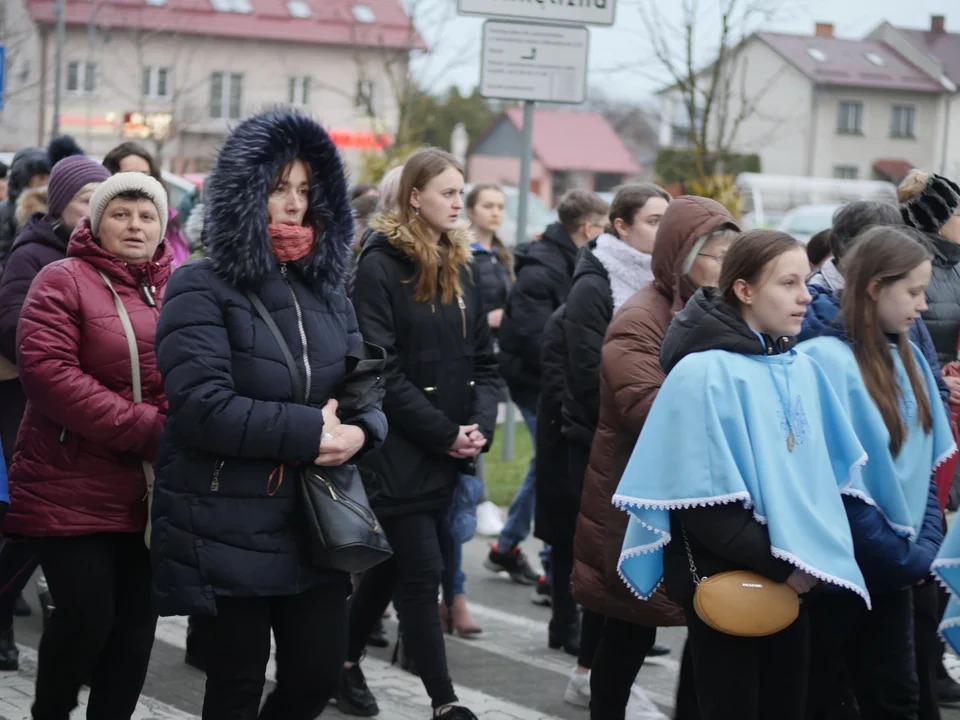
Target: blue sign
x=3, y=65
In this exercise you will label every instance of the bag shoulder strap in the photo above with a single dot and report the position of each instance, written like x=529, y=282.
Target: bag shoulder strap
x=131, y=338
x=267, y=318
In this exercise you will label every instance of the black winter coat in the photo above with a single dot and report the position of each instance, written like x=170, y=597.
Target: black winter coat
x=555, y=493
x=41, y=241
x=544, y=271
x=589, y=311
x=493, y=277
x=722, y=537
x=441, y=373
x=227, y=521
x=27, y=163
x=943, y=298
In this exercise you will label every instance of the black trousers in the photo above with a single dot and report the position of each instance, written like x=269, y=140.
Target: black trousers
x=310, y=630
x=877, y=647
x=750, y=678
x=17, y=563
x=926, y=619
x=411, y=578
x=102, y=630
x=623, y=647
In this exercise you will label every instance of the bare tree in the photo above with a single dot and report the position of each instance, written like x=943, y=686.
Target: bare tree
x=703, y=57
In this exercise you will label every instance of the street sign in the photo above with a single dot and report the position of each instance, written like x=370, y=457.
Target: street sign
x=582, y=12
x=545, y=63
x=3, y=73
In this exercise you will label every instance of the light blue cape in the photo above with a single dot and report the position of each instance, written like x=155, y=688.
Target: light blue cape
x=897, y=486
x=717, y=433
x=947, y=569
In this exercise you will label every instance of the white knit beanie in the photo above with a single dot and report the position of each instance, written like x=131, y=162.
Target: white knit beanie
x=125, y=182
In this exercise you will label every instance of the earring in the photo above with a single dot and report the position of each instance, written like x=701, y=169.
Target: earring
x=416, y=211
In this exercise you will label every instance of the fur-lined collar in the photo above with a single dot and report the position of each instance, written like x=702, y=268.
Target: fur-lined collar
x=235, y=233
x=31, y=200
x=628, y=269
x=401, y=239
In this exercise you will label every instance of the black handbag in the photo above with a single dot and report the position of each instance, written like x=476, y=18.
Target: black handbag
x=343, y=531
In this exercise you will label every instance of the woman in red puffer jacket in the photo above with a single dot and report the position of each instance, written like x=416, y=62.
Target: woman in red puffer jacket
x=78, y=486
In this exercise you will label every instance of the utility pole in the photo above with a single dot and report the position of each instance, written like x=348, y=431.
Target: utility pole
x=58, y=70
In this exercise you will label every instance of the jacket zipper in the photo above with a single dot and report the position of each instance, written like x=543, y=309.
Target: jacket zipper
x=358, y=509
x=215, y=483
x=303, y=333
x=63, y=436
x=463, y=314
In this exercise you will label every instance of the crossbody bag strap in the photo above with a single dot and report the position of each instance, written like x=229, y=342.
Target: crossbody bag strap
x=693, y=565
x=131, y=338
x=267, y=318
x=148, y=473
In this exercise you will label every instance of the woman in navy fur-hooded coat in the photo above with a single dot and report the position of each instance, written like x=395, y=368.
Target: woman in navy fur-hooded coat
x=228, y=536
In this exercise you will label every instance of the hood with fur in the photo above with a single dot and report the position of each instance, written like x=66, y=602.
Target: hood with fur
x=28, y=162
x=235, y=233
x=32, y=200
x=400, y=239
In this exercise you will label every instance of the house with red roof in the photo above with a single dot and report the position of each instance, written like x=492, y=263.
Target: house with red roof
x=937, y=51
x=823, y=106
x=177, y=74
x=570, y=150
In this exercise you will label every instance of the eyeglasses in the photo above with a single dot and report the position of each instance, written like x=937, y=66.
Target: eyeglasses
x=718, y=258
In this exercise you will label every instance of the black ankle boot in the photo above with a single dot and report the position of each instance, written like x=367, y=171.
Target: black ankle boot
x=353, y=695
x=9, y=655
x=566, y=637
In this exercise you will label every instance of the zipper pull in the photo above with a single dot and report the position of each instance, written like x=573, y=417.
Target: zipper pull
x=63, y=436
x=329, y=488
x=215, y=483
x=147, y=295
x=463, y=314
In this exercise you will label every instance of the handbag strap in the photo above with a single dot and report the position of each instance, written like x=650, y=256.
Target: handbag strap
x=693, y=565
x=131, y=338
x=295, y=379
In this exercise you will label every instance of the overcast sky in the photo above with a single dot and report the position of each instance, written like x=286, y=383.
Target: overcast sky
x=456, y=60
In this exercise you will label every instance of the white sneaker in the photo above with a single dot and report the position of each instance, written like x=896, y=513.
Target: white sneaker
x=489, y=520
x=578, y=689
x=641, y=707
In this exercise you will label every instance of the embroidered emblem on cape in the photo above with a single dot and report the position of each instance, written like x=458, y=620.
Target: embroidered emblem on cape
x=798, y=424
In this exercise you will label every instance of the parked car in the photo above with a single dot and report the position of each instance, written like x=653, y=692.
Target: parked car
x=807, y=220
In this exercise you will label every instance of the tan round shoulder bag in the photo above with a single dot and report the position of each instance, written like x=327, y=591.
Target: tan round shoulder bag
x=741, y=602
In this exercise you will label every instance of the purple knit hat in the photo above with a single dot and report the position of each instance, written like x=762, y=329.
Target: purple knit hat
x=67, y=179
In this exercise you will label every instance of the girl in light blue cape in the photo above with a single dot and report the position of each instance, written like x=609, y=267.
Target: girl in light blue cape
x=742, y=459
x=890, y=394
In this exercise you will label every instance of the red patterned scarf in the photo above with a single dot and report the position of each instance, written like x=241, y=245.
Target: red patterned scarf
x=291, y=242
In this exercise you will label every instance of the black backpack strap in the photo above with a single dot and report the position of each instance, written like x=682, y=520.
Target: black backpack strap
x=267, y=318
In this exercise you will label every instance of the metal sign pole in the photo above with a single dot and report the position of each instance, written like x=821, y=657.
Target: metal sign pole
x=58, y=70
x=523, y=192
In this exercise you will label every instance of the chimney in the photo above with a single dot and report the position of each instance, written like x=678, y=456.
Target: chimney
x=938, y=23
x=824, y=30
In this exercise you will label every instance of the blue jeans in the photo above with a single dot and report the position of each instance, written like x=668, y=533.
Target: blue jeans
x=520, y=515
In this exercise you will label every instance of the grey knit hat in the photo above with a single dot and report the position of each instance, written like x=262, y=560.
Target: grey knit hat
x=125, y=182
x=931, y=208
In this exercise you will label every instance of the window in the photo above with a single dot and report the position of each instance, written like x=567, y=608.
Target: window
x=298, y=9
x=845, y=172
x=299, y=91
x=226, y=95
x=364, y=99
x=363, y=14
x=81, y=77
x=817, y=54
x=875, y=59
x=850, y=118
x=902, y=121
x=155, y=82
x=232, y=6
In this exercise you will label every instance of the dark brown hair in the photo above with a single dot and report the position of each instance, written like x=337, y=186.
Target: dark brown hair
x=749, y=256
x=124, y=150
x=473, y=197
x=630, y=200
x=882, y=256
x=577, y=206
x=419, y=169
x=818, y=248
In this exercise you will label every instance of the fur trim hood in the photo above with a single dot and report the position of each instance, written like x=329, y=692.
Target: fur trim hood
x=235, y=234
x=401, y=239
x=31, y=200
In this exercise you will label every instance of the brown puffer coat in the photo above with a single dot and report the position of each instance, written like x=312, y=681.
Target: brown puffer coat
x=629, y=381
